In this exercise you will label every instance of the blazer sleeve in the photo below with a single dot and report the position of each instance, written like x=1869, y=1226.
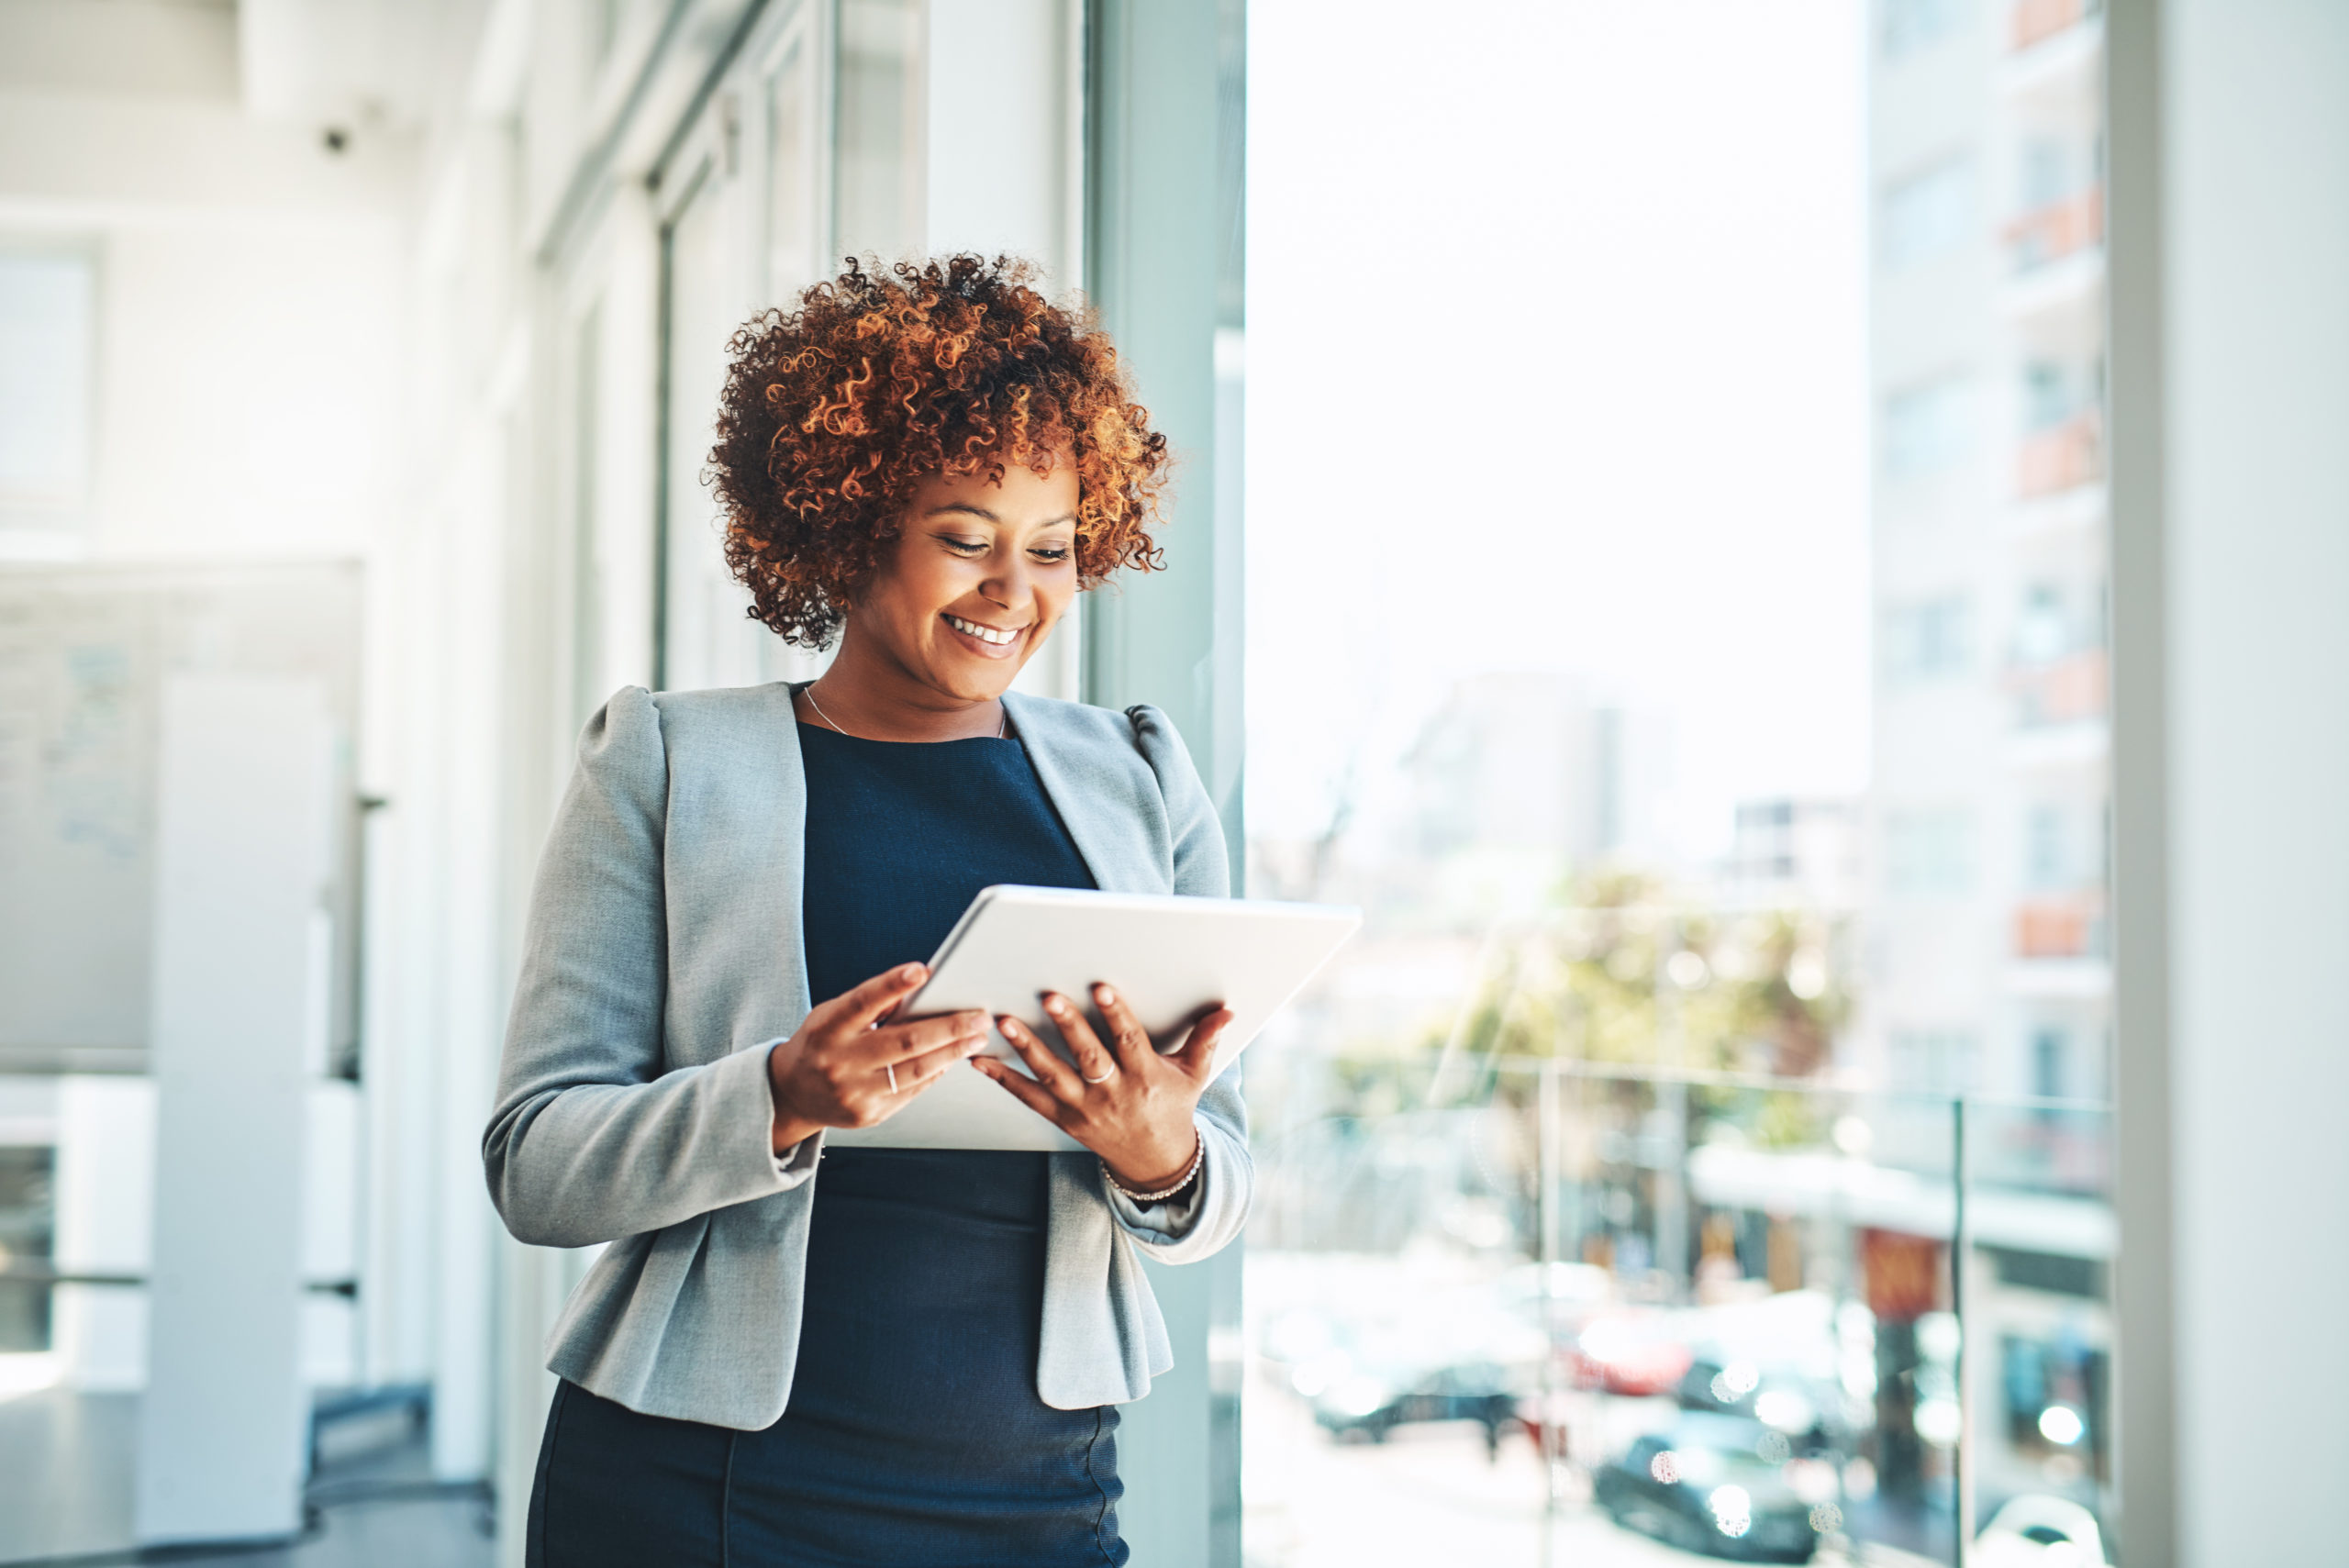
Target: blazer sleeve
x=1207, y=1219
x=591, y=1138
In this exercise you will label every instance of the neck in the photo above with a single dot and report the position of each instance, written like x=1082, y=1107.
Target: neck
x=874, y=697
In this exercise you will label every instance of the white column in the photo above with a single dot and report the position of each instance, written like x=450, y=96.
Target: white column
x=2231, y=377
x=242, y=859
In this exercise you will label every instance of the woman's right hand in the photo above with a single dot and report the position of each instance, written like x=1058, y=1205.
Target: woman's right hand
x=846, y=1068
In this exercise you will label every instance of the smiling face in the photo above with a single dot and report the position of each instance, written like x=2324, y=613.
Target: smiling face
x=981, y=572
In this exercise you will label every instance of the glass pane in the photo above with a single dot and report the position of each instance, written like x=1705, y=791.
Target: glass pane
x=709, y=639
x=878, y=189
x=2039, y=1308
x=1392, y=1324
x=792, y=149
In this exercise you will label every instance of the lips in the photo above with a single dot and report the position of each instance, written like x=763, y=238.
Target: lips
x=992, y=636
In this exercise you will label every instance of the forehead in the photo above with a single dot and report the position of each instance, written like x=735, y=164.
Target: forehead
x=1021, y=495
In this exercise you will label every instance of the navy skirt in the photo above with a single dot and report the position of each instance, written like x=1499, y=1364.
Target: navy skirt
x=913, y=1436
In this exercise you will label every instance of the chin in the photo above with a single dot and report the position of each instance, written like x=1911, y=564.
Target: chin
x=984, y=684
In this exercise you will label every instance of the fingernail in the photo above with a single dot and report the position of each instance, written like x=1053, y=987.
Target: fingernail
x=1108, y=997
x=910, y=972
x=1054, y=1004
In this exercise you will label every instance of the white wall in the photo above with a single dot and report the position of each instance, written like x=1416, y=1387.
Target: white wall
x=2230, y=199
x=2258, y=243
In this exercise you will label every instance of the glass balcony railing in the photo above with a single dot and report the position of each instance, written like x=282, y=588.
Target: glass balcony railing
x=1610, y=1315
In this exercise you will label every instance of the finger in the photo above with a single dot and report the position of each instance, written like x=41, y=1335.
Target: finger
x=1197, y=1055
x=1128, y=1038
x=1092, y=1058
x=1097, y=1062
x=1053, y=1073
x=902, y=1042
x=921, y=1072
x=868, y=1003
x=1026, y=1091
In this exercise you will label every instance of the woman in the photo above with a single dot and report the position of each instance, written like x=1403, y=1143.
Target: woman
x=912, y=1357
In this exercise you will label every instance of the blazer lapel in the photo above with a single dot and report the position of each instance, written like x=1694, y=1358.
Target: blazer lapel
x=790, y=829
x=1098, y=791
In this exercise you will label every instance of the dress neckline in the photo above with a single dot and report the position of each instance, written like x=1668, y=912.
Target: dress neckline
x=831, y=734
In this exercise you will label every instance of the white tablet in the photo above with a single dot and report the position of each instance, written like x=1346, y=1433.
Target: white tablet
x=1173, y=958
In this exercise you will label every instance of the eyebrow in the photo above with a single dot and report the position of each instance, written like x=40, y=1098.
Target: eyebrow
x=964, y=506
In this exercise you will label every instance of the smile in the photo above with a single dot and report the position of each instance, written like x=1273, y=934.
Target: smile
x=983, y=633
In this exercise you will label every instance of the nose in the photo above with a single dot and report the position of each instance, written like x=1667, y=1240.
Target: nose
x=1009, y=586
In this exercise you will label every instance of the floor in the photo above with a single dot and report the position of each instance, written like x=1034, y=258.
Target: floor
x=65, y=1478
x=1433, y=1495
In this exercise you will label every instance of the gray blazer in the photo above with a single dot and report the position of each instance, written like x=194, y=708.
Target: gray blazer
x=664, y=960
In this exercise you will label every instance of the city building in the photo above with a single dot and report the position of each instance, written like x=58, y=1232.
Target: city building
x=1988, y=947
x=1991, y=955
x=1796, y=852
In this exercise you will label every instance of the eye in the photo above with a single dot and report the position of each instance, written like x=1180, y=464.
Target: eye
x=964, y=546
x=1051, y=552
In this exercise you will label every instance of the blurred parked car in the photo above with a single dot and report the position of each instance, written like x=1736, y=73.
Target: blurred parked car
x=2039, y=1531
x=1367, y=1407
x=1783, y=1403
x=1722, y=1486
x=1637, y=1353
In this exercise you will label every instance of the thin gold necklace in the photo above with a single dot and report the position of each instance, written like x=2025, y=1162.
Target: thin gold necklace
x=1002, y=718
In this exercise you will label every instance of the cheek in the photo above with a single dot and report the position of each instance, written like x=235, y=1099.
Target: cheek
x=1055, y=589
x=920, y=582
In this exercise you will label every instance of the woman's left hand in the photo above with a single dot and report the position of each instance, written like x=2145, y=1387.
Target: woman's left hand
x=1124, y=1101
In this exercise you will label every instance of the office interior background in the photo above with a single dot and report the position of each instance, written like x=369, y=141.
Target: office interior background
x=1789, y=556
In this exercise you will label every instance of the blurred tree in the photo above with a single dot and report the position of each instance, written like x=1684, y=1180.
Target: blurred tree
x=1620, y=971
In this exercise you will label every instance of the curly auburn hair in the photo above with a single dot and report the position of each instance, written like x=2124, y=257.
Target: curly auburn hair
x=834, y=412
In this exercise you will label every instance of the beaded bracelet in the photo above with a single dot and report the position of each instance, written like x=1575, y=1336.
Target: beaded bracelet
x=1190, y=1174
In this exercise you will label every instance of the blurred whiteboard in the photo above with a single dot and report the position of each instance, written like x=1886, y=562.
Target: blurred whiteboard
x=83, y=655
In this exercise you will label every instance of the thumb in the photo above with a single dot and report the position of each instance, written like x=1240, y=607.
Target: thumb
x=1196, y=1056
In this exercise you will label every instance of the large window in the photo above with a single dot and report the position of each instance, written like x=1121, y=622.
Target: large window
x=1698, y=678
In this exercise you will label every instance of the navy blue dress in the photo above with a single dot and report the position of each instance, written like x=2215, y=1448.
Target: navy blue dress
x=913, y=1433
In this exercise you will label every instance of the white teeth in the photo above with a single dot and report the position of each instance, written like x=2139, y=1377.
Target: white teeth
x=983, y=633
